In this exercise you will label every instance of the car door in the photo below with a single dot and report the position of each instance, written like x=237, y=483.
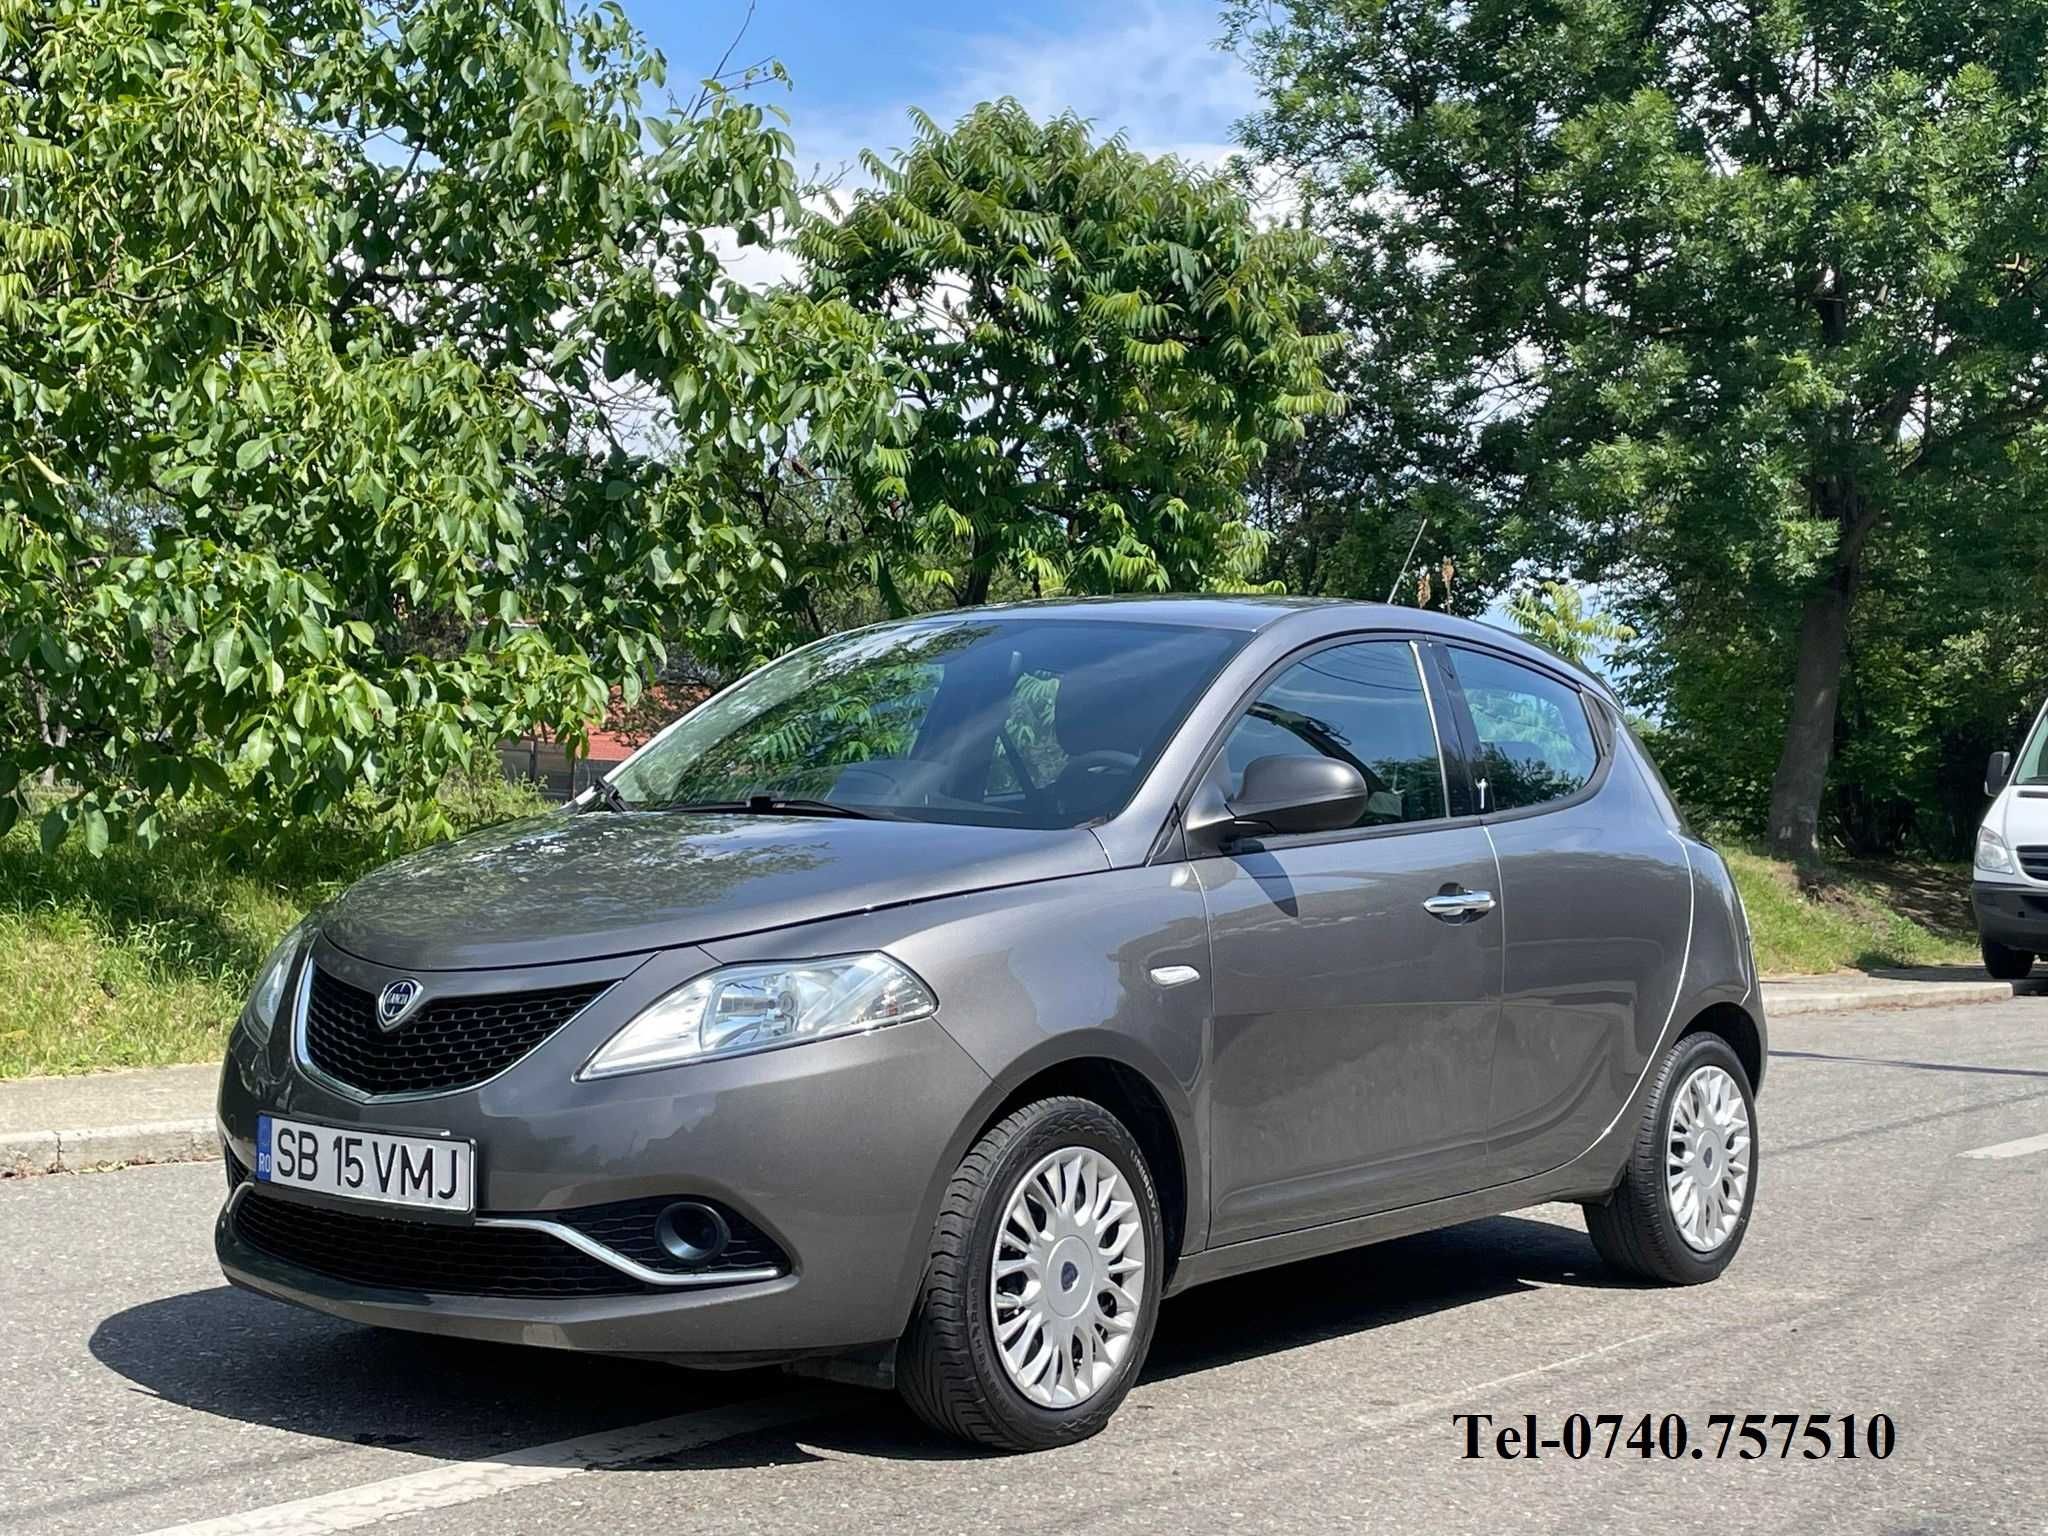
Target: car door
x=1598, y=901
x=1356, y=973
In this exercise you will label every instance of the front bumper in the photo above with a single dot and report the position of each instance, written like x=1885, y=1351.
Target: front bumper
x=834, y=1149
x=2011, y=914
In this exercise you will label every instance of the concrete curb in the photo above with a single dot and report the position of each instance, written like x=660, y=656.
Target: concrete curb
x=33, y=1151
x=111, y=1146
x=1786, y=1002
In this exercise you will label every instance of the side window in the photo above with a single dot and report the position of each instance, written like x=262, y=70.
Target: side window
x=1362, y=704
x=1535, y=742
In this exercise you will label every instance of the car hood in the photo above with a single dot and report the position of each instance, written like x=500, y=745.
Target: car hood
x=577, y=887
x=2021, y=816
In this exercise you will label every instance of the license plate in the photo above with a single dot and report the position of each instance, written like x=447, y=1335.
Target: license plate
x=366, y=1165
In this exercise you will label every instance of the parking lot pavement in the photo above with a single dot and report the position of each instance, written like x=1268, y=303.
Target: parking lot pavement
x=1887, y=1271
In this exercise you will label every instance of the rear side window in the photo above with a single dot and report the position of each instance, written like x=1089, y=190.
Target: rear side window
x=1362, y=704
x=1535, y=742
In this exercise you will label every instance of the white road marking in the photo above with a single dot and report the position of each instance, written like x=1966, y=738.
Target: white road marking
x=2020, y=1148
x=1400, y=1413
x=460, y=1482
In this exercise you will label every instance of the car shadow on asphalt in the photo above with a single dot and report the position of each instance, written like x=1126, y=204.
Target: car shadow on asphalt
x=240, y=1356
x=1968, y=1068
x=1362, y=1289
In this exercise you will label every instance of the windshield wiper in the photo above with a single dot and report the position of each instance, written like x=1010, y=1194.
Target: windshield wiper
x=776, y=805
x=610, y=796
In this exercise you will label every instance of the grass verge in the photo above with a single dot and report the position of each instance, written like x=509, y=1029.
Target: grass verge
x=141, y=959
x=1854, y=916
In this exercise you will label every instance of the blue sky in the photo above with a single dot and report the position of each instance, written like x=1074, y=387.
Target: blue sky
x=1150, y=69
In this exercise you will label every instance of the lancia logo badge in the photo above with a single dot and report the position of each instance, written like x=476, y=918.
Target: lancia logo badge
x=396, y=1002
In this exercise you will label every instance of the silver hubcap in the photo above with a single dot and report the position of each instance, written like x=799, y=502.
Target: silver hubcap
x=1706, y=1162
x=1066, y=1278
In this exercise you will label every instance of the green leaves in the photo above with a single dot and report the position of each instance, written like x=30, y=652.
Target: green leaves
x=1102, y=348
x=94, y=822
x=56, y=826
x=227, y=646
x=306, y=484
x=1732, y=310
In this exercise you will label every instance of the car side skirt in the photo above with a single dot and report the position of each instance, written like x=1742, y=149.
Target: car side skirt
x=1589, y=1176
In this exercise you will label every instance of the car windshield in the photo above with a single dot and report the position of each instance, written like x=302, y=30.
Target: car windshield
x=1012, y=721
x=2033, y=759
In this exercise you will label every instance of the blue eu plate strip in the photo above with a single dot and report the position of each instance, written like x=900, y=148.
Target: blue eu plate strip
x=263, y=1147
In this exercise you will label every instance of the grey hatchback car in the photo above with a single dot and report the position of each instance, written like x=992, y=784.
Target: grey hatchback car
x=932, y=1003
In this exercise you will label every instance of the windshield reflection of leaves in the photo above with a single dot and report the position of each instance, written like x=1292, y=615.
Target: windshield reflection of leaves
x=840, y=706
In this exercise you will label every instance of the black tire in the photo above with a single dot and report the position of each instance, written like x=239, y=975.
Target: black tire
x=2005, y=964
x=947, y=1368
x=1633, y=1228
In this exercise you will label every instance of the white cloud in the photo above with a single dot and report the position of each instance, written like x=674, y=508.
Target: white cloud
x=757, y=266
x=1153, y=73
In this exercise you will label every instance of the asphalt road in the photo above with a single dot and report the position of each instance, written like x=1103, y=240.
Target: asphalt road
x=1885, y=1272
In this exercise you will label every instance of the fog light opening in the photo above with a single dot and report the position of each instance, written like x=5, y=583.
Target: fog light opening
x=691, y=1232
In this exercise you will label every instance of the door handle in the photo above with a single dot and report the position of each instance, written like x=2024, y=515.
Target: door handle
x=1453, y=905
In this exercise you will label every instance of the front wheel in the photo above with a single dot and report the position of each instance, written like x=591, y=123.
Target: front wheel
x=1039, y=1300
x=2003, y=963
x=1679, y=1214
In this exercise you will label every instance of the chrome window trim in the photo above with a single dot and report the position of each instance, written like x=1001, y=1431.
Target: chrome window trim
x=1443, y=771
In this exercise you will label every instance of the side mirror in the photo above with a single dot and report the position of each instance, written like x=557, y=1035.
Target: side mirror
x=1997, y=771
x=1298, y=794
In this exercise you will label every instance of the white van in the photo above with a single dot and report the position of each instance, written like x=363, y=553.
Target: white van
x=2009, y=880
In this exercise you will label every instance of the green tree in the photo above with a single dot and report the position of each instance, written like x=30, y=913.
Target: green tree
x=1948, y=663
x=345, y=352
x=1554, y=614
x=1753, y=294
x=1396, y=483
x=1099, y=350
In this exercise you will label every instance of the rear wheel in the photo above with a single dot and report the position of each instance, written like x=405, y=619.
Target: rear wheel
x=2003, y=963
x=1039, y=1300
x=1682, y=1207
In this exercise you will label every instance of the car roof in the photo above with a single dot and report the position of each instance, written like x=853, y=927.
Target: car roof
x=1201, y=610
x=1250, y=613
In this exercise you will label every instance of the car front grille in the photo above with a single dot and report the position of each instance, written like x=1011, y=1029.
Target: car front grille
x=2034, y=860
x=447, y=1043
x=421, y=1256
x=427, y=1257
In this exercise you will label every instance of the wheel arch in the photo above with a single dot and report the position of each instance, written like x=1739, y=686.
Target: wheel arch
x=1106, y=1067
x=1130, y=1095
x=1732, y=1023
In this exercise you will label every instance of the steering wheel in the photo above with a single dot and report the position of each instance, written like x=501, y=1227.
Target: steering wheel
x=1089, y=779
x=1102, y=757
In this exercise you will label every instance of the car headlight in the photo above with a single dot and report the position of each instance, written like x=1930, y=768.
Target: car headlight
x=1993, y=857
x=267, y=996
x=744, y=1008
